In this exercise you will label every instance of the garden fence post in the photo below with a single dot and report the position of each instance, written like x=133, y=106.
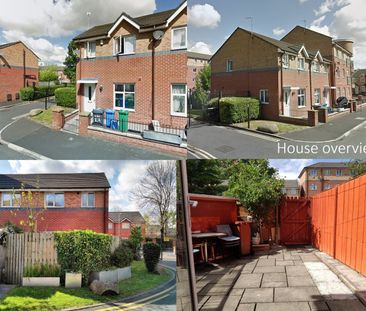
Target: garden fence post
x=335, y=223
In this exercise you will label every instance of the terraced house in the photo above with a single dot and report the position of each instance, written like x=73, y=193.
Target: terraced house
x=61, y=202
x=137, y=64
x=289, y=78
x=18, y=69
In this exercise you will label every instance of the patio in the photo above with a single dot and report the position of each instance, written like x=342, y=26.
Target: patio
x=280, y=279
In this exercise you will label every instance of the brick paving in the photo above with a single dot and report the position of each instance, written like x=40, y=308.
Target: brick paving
x=282, y=279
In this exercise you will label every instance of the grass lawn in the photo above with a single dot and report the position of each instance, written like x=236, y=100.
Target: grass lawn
x=45, y=117
x=196, y=113
x=283, y=127
x=50, y=298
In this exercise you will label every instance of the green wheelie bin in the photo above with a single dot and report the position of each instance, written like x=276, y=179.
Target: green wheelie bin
x=123, y=120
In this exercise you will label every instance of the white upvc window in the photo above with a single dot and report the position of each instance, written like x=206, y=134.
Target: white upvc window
x=229, y=65
x=317, y=96
x=301, y=63
x=339, y=173
x=327, y=172
x=125, y=45
x=313, y=173
x=285, y=61
x=88, y=199
x=327, y=186
x=91, y=47
x=264, y=96
x=179, y=38
x=126, y=226
x=54, y=199
x=124, y=96
x=9, y=199
x=301, y=99
x=110, y=226
x=313, y=187
x=316, y=66
x=179, y=100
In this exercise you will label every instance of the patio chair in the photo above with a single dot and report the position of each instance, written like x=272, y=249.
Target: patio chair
x=198, y=249
x=229, y=241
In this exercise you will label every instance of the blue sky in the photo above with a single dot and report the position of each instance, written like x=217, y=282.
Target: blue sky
x=47, y=28
x=122, y=175
x=212, y=21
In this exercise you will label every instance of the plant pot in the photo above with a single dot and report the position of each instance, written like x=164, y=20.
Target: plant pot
x=113, y=275
x=124, y=273
x=73, y=280
x=41, y=281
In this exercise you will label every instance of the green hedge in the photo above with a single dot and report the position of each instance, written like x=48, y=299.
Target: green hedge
x=122, y=256
x=66, y=97
x=83, y=252
x=151, y=256
x=232, y=109
x=40, y=91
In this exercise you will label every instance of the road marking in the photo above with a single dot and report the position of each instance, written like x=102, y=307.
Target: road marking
x=200, y=153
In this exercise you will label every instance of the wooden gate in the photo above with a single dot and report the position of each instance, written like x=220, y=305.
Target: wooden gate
x=295, y=228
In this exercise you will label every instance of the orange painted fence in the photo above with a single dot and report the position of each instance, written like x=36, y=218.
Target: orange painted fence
x=339, y=223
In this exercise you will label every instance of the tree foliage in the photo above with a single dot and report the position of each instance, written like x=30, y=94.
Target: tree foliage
x=256, y=185
x=135, y=240
x=357, y=167
x=48, y=74
x=203, y=84
x=71, y=61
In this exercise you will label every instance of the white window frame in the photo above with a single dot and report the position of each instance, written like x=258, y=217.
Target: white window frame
x=87, y=55
x=302, y=62
x=54, y=201
x=172, y=38
x=313, y=187
x=124, y=96
x=303, y=95
x=87, y=194
x=327, y=172
x=263, y=95
x=327, y=186
x=313, y=172
x=110, y=226
x=120, y=52
x=126, y=223
x=316, y=66
x=12, y=204
x=339, y=172
x=172, y=112
x=317, y=92
x=285, y=61
x=229, y=65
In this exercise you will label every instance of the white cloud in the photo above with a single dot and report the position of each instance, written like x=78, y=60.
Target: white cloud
x=328, y=5
x=321, y=29
x=290, y=169
x=303, y=1
x=279, y=31
x=203, y=16
x=62, y=17
x=201, y=47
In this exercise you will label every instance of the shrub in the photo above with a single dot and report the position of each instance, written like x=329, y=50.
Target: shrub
x=135, y=240
x=122, y=256
x=151, y=256
x=42, y=270
x=40, y=91
x=83, y=251
x=233, y=109
x=66, y=97
x=27, y=93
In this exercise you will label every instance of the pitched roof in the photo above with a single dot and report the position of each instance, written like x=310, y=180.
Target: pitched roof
x=291, y=183
x=134, y=217
x=306, y=29
x=359, y=72
x=145, y=21
x=198, y=55
x=324, y=165
x=6, y=45
x=54, y=181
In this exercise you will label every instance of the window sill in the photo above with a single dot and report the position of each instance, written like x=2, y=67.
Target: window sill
x=179, y=49
x=124, y=54
x=121, y=108
x=175, y=114
x=301, y=107
x=265, y=103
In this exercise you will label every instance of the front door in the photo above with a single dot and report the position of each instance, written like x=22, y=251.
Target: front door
x=286, y=102
x=89, y=97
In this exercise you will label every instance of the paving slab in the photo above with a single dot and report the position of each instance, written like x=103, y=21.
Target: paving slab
x=291, y=294
x=213, y=303
x=232, y=302
x=257, y=295
x=274, y=280
x=269, y=269
x=318, y=306
x=285, y=263
x=283, y=306
x=353, y=305
x=297, y=271
x=246, y=307
x=215, y=290
x=248, y=268
x=324, y=276
x=315, y=266
x=249, y=281
x=295, y=281
x=266, y=262
x=336, y=290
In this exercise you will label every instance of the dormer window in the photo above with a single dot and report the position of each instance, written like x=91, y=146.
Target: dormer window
x=316, y=66
x=285, y=61
x=90, y=49
x=301, y=63
x=125, y=45
x=179, y=38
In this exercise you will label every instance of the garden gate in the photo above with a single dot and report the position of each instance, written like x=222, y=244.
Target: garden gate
x=295, y=225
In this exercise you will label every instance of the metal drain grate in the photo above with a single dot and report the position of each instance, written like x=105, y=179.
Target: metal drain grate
x=225, y=149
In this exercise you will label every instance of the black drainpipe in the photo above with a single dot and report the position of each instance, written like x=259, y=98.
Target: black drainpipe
x=24, y=70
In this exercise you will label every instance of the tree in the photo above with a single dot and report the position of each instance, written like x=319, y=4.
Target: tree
x=357, y=167
x=257, y=186
x=48, y=74
x=156, y=192
x=206, y=177
x=203, y=85
x=135, y=240
x=71, y=61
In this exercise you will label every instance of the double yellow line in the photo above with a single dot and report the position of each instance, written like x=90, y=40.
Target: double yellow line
x=142, y=302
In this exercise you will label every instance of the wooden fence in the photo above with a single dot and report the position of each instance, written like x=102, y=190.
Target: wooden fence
x=27, y=249
x=339, y=223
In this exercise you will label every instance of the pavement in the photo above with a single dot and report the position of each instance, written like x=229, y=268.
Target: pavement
x=279, y=280
x=4, y=289
x=28, y=139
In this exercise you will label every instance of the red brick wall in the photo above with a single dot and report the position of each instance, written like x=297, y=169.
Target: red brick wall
x=71, y=217
x=125, y=233
x=169, y=69
x=11, y=80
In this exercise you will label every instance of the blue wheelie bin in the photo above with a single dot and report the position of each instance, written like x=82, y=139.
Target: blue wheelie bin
x=109, y=117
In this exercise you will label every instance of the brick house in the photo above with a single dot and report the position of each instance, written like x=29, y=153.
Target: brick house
x=121, y=223
x=18, y=69
x=291, y=188
x=323, y=176
x=359, y=82
x=288, y=78
x=137, y=64
x=196, y=62
x=72, y=201
x=340, y=52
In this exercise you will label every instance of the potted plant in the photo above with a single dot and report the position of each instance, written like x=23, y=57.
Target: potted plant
x=73, y=279
x=41, y=275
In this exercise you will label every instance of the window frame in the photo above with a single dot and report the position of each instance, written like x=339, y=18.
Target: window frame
x=120, y=38
x=315, y=96
x=301, y=96
x=87, y=194
x=312, y=171
x=124, y=96
x=172, y=112
x=11, y=199
x=87, y=49
x=340, y=173
x=327, y=186
x=313, y=187
x=110, y=226
x=285, y=61
x=54, y=201
x=316, y=66
x=264, y=92
x=125, y=223
x=229, y=65
x=186, y=38
x=303, y=63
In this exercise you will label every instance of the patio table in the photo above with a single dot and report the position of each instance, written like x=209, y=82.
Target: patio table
x=206, y=236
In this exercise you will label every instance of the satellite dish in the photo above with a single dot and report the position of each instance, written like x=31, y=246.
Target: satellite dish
x=158, y=34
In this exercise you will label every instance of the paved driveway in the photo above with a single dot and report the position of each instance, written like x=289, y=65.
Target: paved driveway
x=283, y=280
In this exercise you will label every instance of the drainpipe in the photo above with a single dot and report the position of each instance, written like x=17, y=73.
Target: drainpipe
x=311, y=87
x=24, y=70
x=106, y=210
x=153, y=80
x=282, y=96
